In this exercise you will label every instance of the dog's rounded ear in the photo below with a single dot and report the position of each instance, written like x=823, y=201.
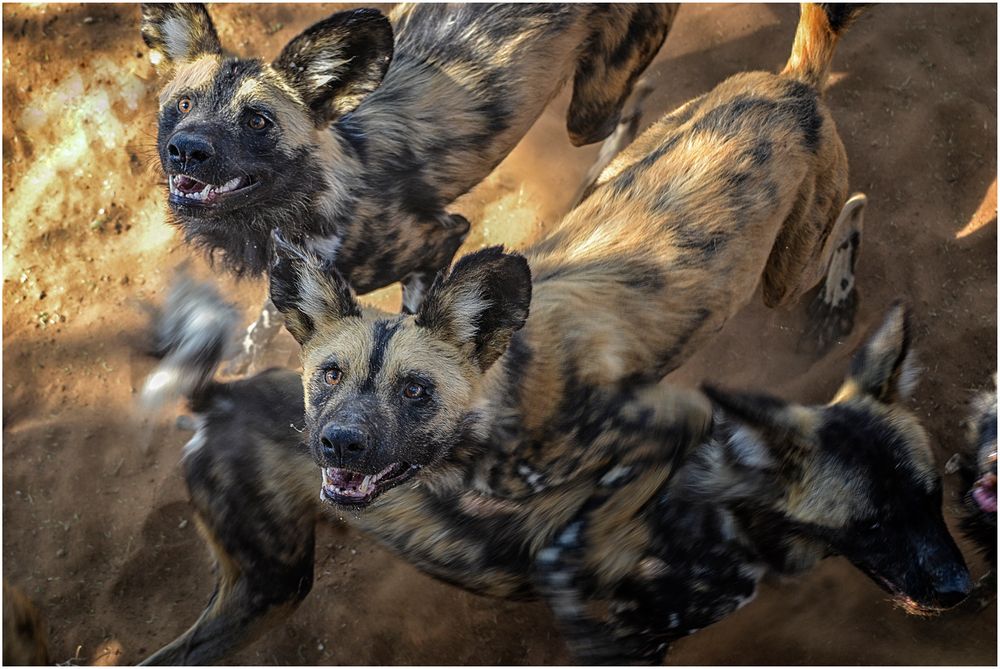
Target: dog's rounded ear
x=310, y=295
x=480, y=304
x=337, y=62
x=179, y=32
x=883, y=367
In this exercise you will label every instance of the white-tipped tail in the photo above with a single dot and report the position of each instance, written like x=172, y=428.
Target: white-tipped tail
x=193, y=333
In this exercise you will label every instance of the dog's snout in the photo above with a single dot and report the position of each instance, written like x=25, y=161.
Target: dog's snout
x=188, y=150
x=341, y=445
x=952, y=587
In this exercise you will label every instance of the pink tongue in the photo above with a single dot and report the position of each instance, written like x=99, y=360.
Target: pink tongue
x=188, y=185
x=986, y=497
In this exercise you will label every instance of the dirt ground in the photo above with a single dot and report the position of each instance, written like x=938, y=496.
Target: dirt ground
x=96, y=527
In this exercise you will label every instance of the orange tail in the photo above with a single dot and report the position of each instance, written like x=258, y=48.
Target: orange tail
x=820, y=26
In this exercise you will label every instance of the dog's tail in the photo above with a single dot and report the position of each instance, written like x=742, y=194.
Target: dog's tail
x=25, y=634
x=192, y=334
x=820, y=26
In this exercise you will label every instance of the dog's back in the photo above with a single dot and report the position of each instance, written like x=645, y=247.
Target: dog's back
x=743, y=184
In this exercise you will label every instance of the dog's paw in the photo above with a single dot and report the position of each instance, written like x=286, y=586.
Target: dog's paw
x=829, y=322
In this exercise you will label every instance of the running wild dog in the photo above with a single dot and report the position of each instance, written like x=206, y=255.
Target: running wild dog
x=357, y=136
x=668, y=532
x=536, y=455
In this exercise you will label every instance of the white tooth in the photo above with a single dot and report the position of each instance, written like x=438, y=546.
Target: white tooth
x=232, y=183
x=206, y=190
x=365, y=483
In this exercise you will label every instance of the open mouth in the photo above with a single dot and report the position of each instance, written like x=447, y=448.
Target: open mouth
x=188, y=190
x=350, y=488
x=984, y=493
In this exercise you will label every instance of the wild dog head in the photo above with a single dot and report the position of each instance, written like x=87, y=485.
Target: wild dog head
x=390, y=395
x=977, y=468
x=855, y=477
x=244, y=143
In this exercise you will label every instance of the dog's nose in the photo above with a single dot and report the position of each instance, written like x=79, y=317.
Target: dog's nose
x=188, y=150
x=952, y=591
x=340, y=445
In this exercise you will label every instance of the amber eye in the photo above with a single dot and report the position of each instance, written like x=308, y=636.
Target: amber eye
x=414, y=391
x=257, y=122
x=184, y=105
x=332, y=376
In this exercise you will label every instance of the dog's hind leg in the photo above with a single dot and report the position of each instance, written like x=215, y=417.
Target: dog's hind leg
x=625, y=132
x=835, y=304
x=256, y=497
x=621, y=47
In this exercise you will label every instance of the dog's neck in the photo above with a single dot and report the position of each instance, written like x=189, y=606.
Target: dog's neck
x=735, y=475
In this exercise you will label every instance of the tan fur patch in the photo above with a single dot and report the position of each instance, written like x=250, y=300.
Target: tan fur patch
x=194, y=76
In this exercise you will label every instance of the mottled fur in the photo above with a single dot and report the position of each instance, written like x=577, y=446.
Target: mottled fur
x=529, y=447
x=667, y=533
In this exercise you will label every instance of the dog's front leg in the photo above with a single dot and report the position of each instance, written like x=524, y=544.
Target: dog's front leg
x=259, y=334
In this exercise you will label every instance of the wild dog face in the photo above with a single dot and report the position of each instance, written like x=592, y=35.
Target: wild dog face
x=239, y=136
x=977, y=468
x=857, y=477
x=389, y=395
x=983, y=436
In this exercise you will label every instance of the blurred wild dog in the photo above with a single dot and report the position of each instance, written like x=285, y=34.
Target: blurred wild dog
x=521, y=456
x=355, y=139
x=25, y=634
x=667, y=531
x=977, y=469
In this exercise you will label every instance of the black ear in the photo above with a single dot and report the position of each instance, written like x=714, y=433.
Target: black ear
x=337, y=62
x=179, y=32
x=480, y=304
x=882, y=368
x=309, y=294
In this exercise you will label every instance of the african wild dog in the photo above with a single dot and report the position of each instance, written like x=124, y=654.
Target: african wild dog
x=977, y=469
x=355, y=139
x=670, y=531
x=520, y=455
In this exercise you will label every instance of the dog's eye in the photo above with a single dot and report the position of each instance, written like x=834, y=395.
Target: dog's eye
x=332, y=376
x=414, y=391
x=184, y=105
x=257, y=122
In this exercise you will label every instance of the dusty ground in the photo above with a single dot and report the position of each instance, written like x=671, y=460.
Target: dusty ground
x=95, y=523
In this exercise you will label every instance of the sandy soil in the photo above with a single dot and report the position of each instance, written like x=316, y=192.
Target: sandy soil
x=96, y=527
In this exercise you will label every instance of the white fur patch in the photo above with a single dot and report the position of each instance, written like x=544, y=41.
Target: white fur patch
x=467, y=305
x=325, y=247
x=909, y=375
x=176, y=33
x=749, y=449
x=322, y=72
x=196, y=442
